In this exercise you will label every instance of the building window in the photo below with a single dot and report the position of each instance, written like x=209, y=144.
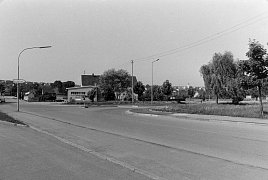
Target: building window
x=78, y=93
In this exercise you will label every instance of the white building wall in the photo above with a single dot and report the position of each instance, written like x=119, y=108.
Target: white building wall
x=78, y=93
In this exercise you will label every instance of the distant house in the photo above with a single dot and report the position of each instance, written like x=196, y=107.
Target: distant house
x=124, y=96
x=31, y=96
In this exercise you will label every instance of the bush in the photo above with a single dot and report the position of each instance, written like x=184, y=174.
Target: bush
x=236, y=100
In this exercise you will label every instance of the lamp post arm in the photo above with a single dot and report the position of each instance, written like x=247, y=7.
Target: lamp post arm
x=41, y=47
x=35, y=47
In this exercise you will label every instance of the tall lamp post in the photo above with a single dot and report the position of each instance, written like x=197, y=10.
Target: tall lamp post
x=132, y=83
x=40, y=47
x=152, y=96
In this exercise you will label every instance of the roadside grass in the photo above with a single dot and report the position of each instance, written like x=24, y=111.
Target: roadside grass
x=7, y=118
x=250, y=110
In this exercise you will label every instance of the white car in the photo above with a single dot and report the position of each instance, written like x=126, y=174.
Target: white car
x=2, y=99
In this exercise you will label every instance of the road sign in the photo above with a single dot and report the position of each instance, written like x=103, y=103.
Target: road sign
x=18, y=81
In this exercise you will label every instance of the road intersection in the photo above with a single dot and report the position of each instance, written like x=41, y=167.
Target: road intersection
x=158, y=147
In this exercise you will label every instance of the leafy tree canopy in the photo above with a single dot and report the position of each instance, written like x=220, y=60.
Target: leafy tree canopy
x=115, y=81
x=255, y=70
x=139, y=88
x=220, y=76
x=167, y=88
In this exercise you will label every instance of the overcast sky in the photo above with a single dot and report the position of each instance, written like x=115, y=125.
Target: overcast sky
x=96, y=35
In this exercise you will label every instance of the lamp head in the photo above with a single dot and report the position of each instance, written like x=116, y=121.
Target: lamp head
x=45, y=47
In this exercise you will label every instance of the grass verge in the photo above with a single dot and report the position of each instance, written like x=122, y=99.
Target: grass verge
x=222, y=109
x=7, y=118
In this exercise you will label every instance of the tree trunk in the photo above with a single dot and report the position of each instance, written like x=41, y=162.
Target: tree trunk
x=260, y=98
x=217, y=99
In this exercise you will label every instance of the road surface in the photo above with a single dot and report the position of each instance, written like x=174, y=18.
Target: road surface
x=28, y=154
x=161, y=147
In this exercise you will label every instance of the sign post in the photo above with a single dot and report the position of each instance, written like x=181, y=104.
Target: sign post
x=18, y=81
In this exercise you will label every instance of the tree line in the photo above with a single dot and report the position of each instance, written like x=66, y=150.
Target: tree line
x=225, y=77
x=58, y=87
x=113, y=83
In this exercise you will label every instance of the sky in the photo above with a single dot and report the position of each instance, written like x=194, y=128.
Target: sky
x=93, y=36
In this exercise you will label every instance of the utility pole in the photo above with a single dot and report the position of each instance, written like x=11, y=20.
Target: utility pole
x=152, y=96
x=132, y=82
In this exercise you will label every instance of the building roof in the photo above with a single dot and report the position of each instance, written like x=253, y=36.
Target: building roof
x=83, y=87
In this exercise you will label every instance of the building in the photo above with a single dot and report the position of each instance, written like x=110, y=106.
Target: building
x=31, y=96
x=77, y=94
x=90, y=80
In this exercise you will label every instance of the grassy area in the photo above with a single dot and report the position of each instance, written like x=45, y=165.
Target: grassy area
x=251, y=110
x=5, y=117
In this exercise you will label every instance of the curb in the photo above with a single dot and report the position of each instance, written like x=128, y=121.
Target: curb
x=141, y=114
x=13, y=124
x=211, y=118
x=214, y=119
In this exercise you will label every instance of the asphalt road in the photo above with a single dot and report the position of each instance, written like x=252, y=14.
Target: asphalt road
x=28, y=154
x=164, y=147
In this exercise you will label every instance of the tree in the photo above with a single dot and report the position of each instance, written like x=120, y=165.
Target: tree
x=139, y=88
x=37, y=88
x=66, y=85
x=220, y=77
x=235, y=90
x=182, y=95
x=158, y=93
x=147, y=93
x=14, y=89
x=2, y=88
x=255, y=69
x=108, y=94
x=167, y=89
x=216, y=86
x=115, y=81
x=205, y=72
x=190, y=92
x=92, y=94
x=202, y=93
x=58, y=85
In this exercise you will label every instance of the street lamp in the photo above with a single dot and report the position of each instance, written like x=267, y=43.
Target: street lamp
x=152, y=96
x=40, y=47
